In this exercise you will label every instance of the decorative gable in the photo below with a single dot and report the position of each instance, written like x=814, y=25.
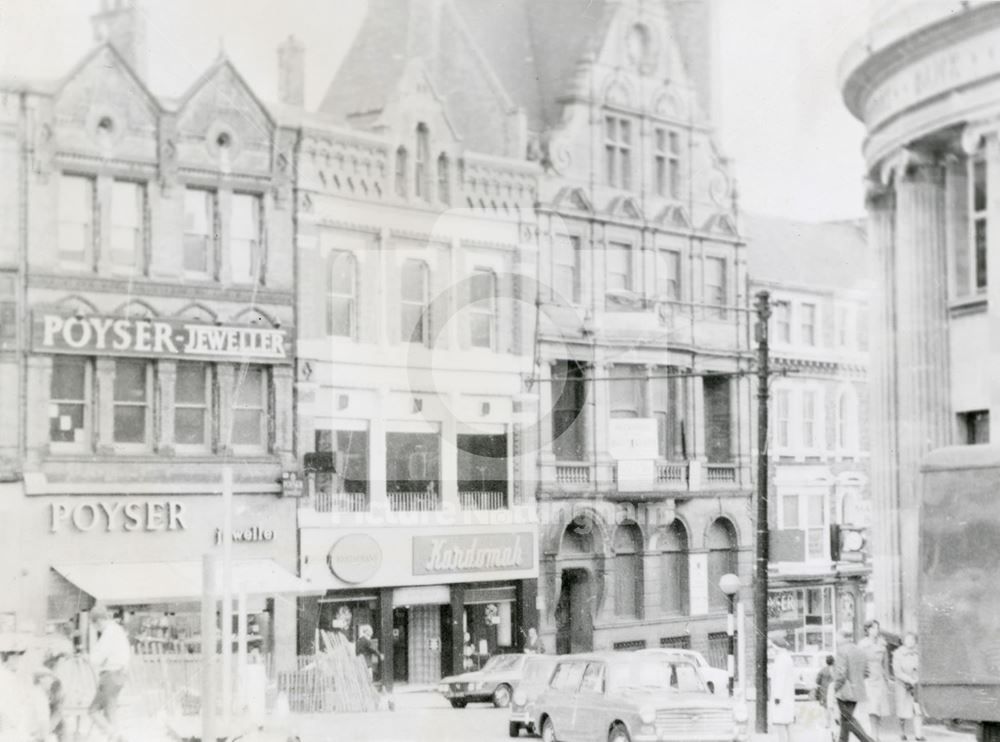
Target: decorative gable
x=675, y=216
x=575, y=199
x=720, y=223
x=102, y=109
x=625, y=207
x=221, y=124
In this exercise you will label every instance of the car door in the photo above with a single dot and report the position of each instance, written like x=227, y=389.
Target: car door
x=591, y=723
x=560, y=702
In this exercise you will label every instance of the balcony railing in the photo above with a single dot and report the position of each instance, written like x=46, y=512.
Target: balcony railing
x=414, y=502
x=341, y=502
x=573, y=473
x=671, y=473
x=720, y=473
x=483, y=500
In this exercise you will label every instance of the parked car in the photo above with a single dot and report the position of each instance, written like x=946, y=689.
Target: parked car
x=635, y=697
x=494, y=682
x=717, y=680
x=534, y=679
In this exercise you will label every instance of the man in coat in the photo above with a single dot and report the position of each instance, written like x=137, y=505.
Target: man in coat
x=849, y=684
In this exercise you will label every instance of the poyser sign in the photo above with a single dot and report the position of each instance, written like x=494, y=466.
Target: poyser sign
x=97, y=335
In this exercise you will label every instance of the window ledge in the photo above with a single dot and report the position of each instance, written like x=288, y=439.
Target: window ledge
x=967, y=305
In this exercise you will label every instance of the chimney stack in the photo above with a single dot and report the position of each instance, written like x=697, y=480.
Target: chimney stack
x=122, y=23
x=292, y=72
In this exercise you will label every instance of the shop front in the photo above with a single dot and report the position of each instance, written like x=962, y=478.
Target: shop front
x=439, y=601
x=142, y=557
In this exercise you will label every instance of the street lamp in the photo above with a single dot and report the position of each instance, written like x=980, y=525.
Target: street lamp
x=730, y=585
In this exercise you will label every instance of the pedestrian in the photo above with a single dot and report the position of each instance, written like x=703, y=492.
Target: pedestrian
x=781, y=678
x=849, y=685
x=110, y=658
x=23, y=709
x=534, y=643
x=905, y=666
x=824, y=678
x=876, y=676
x=365, y=648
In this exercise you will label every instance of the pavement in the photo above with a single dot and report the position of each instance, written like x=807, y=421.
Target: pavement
x=425, y=715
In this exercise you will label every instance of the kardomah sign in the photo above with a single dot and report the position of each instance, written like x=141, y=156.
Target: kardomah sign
x=178, y=338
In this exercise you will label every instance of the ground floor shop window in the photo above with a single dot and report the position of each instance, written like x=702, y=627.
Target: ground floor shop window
x=805, y=616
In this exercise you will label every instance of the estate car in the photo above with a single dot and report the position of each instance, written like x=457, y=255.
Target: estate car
x=635, y=697
x=493, y=683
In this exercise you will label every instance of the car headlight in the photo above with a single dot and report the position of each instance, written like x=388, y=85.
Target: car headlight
x=741, y=714
x=647, y=714
x=520, y=697
x=443, y=688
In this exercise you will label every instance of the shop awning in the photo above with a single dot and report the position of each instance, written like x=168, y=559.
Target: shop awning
x=125, y=583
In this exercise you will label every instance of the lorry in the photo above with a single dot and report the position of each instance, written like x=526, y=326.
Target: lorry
x=959, y=586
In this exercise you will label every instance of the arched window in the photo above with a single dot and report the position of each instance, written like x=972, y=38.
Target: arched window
x=341, y=294
x=722, y=559
x=444, y=182
x=628, y=571
x=413, y=302
x=421, y=163
x=401, y=171
x=846, y=420
x=674, y=570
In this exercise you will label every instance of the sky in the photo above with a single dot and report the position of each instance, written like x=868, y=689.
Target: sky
x=795, y=149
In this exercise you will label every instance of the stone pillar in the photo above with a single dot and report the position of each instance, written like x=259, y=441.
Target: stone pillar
x=166, y=389
x=104, y=404
x=923, y=413
x=283, y=381
x=226, y=379
x=885, y=581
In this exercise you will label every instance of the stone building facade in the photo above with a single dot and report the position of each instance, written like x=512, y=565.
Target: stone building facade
x=924, y=84
x=151, y=243
x=820, y=512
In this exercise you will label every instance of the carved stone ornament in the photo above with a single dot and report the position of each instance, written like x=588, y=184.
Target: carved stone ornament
x=976, y=132
x=905, y=162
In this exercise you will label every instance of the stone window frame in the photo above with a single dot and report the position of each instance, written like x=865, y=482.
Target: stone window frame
x=92, y=227
x=89, y=412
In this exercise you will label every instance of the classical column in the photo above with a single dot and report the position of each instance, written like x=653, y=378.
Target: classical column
x=884, y=486
x=923, y=411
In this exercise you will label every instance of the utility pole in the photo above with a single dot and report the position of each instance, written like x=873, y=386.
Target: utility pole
x=763, y=532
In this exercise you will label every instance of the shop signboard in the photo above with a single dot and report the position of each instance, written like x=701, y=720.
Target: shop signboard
x=355, y=558
x=483, y=552
x=783, y=608
x=151, y=337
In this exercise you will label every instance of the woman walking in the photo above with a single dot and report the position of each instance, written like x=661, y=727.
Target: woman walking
x=905, y=666
x=876, y=676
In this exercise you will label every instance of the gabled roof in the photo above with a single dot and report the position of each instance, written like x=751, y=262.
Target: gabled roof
x=824, y=254
x=118, y=61
x=526, y=51
x=222, y=64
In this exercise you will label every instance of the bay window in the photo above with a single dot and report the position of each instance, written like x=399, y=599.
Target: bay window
x=566, y=269
x=626, y=391
x=809, y=426
x=807, y=513
x=715, y=284
x=669, y=401
x=341, y=294
x=782, y=418
x=619, y=272
x=668, y=279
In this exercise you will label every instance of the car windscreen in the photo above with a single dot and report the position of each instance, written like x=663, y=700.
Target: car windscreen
x=538, y=670
x=501, y=662
x=650, y=673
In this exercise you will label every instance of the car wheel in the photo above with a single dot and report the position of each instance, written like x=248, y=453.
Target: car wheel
x=501, y=696
x=548, y=731
x=711, y=686
x=618, y=733
x=513, y=729
x=457, y=704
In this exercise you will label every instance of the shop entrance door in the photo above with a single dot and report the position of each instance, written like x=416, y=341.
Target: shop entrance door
x=574, y=616
x=400, y=645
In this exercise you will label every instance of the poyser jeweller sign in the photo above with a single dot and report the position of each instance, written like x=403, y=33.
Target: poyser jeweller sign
x=98, y=335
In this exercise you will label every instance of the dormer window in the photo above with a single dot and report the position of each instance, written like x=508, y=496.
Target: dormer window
x=422, y=163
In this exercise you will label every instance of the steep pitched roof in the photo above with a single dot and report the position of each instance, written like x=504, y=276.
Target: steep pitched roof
x=824, y=254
